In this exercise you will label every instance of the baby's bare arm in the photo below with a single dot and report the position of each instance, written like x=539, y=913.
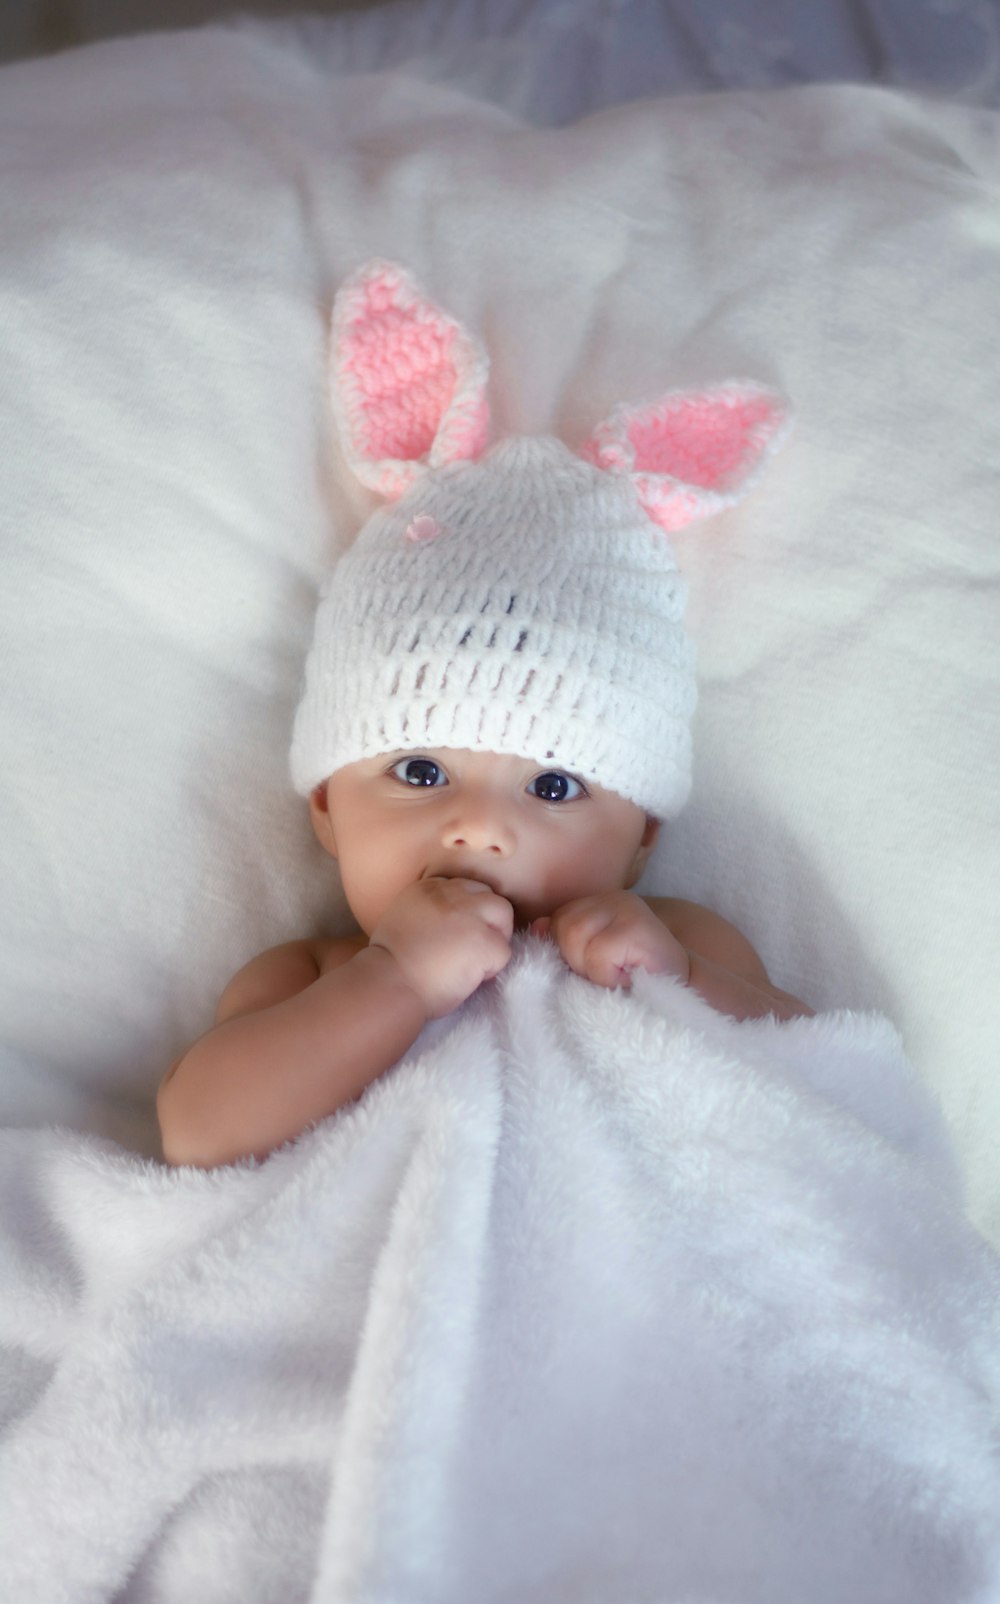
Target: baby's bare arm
x=299, y=1043
x=724, y=968
x=258, y=1079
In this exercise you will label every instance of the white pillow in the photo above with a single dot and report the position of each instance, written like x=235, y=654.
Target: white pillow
x=551, y=63
x=177, y=213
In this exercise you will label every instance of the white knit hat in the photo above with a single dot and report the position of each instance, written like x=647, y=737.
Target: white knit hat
x=524, y=603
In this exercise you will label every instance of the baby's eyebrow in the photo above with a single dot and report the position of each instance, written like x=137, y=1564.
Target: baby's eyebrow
x=390, y=759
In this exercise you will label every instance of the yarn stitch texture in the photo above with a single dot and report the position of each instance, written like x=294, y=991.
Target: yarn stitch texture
x=524, y=600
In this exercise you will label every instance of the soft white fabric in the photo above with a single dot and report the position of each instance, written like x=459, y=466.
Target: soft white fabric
x=552, y=61
x=593, y=1298
x=175, y=216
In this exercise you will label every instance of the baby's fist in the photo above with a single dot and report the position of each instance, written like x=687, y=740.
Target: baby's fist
x=447, y=936
x=604, y=937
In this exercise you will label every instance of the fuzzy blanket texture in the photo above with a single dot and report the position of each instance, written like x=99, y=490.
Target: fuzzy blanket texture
x=595, y=1296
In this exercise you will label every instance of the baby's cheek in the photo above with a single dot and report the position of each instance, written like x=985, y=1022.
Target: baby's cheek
x=366, y=897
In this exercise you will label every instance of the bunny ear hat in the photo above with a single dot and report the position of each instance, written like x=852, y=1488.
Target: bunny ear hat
x=523, y=599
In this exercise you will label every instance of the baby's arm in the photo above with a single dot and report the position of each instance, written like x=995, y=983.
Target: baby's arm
x=309, y=1043
x=291, y=1045
x=723, y=966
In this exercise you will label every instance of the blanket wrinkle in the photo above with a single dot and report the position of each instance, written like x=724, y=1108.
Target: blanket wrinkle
x=594, y=1295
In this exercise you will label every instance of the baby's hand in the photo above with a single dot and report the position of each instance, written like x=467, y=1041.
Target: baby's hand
x=447, y=937
x=605, y=937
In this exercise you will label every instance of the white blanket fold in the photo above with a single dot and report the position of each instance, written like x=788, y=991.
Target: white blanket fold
x=595, y=1296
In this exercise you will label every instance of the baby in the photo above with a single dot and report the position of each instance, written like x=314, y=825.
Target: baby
x=495, y=724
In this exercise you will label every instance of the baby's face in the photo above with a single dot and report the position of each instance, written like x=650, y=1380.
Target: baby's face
x=536, y=835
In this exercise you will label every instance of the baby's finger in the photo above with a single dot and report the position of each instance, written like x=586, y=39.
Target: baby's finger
x=457, y=880
x=497, y=911
x=574, y=926
x=500, y=954
x=492, y=908
x=604, y=962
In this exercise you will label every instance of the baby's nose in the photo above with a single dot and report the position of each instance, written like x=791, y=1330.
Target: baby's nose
x=480, y=829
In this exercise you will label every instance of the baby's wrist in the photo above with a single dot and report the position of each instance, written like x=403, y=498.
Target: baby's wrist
x=381, y=962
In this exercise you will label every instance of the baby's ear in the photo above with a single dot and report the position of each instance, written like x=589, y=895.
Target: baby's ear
x=692, y=452
x=650, y=835
x=319, y=818
x=408, y=383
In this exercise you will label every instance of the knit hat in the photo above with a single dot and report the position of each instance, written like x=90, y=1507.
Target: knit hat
x=524, y=601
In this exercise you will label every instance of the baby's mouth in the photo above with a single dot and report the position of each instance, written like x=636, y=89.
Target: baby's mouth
x=453, y=873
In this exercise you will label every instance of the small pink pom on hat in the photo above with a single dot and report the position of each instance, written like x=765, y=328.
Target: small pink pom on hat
x=423, y=527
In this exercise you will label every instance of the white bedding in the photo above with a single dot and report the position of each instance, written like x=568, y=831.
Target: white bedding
x=551, y=62
x=594, y=1297
x=175, y=217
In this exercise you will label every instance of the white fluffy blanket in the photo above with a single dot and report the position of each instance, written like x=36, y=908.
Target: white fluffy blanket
x=594, y=1297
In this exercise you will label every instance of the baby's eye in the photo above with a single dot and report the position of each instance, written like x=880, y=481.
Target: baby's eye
x=554, y=786
x=419, y=771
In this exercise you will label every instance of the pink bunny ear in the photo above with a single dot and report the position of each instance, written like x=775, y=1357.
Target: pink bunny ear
x=408, y=382
x=693, y=452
